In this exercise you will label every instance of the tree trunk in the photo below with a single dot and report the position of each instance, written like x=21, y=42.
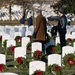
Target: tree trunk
x=10, y=11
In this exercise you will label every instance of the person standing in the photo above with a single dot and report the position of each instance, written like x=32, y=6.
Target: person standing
x=22, y=20
x=40, y=29
x=29, y=19
x=61, y=27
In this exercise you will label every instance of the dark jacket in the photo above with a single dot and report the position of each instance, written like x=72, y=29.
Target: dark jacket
x=54, y=31
x=22, y=21
x=40, y=29
x=62, y=22
x=30, y=21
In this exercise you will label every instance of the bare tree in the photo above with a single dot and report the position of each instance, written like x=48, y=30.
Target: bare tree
x=26, y=4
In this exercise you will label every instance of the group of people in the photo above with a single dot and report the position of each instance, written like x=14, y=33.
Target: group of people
x=28, y=19
x=40, y=30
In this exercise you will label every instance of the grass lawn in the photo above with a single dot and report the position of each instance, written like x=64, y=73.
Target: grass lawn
x=16, y=22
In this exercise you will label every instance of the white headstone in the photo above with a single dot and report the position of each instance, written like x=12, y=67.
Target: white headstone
x=8, y=73
x=36, y=65
x=74, y=46
x=17, y=34
x=11, y=43
x=20, y=52
x=54, y=59
x=3, y=59
x=25, y=41
x=68, y=36
x=28, y=33
x=67, y=50
x=5, y=37
x=36, y=46
x=57, y=40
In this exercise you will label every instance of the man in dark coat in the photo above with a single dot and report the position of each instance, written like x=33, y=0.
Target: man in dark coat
x=61, y=27
x=29, y=19
x=40, y=29
x=22, y=20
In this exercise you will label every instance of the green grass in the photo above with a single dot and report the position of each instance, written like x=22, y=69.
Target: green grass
x=17, y=22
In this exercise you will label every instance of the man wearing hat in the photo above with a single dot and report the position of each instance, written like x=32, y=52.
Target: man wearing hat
x=61, y=27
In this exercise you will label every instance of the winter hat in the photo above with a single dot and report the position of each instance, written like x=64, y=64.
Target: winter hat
x=61, y=10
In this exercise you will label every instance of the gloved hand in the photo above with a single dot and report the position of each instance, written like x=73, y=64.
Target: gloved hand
x=50, y=18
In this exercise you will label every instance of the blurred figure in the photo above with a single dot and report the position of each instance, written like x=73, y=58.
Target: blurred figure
x=54, y=31
x=29, y=18
x=40, y=29
x=61, y=27
x=68, y=21
x=22, y=20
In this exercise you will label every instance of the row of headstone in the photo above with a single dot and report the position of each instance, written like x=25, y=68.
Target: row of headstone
x=21, y=52
x=52, y=59
x=68, y=36
x=22, y=29
x=10, y=32
x=40, y=65
x=34, y=65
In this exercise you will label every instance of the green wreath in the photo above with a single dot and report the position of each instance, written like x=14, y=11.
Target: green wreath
x=38, y=72
x=57, y=48
x=21, y=63
x=28, y=47
x=5, y=43
x=69, y=60
x=38, y=55
x=3, y=68
x=70, y=41
x=54, y=69
x=10, y=50
x=18, y=40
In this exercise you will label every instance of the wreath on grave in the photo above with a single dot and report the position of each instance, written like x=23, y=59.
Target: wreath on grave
x=10, y=50
x=57, y=48
x=18, y=40
x=21, y=63
x=5, y=43
x=38, y=72
x=69, y=60
x=3, y=68
x=54, y=69
x=30, y=37
x=70, y=41
x=28, y=47
x=38, y=55
x=50, y=49
x=73, y=40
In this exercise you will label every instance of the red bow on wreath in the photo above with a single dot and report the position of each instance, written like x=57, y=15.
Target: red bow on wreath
x=38, y=73
x=38, y=53
x=70, y=61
